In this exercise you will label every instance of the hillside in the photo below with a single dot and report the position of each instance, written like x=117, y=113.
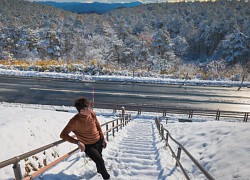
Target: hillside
x=96, y=7
x=206, y=40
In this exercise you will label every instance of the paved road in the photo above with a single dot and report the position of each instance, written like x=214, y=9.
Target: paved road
x=62, y=92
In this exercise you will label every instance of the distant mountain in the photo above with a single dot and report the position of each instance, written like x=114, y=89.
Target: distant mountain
x=96, y=7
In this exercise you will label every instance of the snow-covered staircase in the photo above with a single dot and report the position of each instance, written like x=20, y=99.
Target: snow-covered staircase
x=135, y=154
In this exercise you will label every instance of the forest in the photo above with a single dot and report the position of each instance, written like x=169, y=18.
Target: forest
x=203, y=40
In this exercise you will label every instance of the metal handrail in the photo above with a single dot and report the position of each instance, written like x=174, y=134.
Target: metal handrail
x=15, y=160
x=161, y=130
x=50, y=165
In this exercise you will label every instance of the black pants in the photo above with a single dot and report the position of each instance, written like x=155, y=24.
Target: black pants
x=94, y=151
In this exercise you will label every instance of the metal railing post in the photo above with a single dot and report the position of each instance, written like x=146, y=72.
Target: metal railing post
x=117, y=122
x=107, y=133
x=139, y=110
x=245, y=117
x=190, y=115
x=158, y=124
x=218, y=115
x=164, y=112
x=17, y=171
x=162, y=132
x=113, y=130
x=129, y=117
x=121, y=122
x=123, y=112
x=125, y=120
x=178, y=155
x=167, y=139
x=115, y=107
x=123, y=116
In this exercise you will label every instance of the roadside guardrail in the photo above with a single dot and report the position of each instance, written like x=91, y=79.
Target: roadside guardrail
x=217, y=114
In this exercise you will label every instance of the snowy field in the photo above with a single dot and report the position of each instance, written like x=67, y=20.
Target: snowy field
x=136, y=152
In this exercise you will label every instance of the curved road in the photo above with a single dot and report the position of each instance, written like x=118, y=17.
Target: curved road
x=62, y=92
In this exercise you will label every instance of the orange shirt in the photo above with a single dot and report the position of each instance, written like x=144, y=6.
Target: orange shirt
x=86, y=128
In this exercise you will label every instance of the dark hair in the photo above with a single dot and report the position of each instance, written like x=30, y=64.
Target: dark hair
x=81, y=103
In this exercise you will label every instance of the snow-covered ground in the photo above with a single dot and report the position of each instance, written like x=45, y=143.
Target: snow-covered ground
x=152, y=80
x=135, y=152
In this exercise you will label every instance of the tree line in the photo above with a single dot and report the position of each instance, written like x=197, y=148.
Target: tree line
x=206, y=39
